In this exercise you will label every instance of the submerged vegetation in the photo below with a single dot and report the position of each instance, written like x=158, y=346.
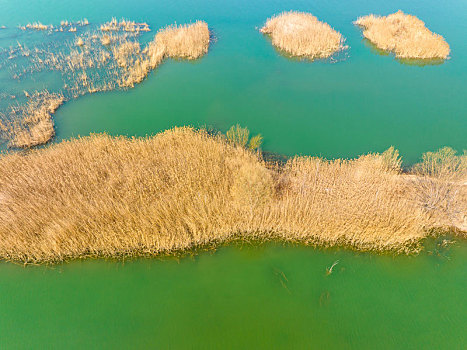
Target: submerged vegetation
x=112, y=196
x=303, y=35
x=405, y=35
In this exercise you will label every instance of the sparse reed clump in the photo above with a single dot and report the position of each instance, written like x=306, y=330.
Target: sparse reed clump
x=303, y=35
x=113, y=196
x=37, y=26
x=404, y=35
x=125, y=52
x=31, y=124
x=106, y=40
x=81, y=23
x=124, y=25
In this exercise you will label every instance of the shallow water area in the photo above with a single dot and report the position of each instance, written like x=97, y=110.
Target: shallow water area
x=241, y=296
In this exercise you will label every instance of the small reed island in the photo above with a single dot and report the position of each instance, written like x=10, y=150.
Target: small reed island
x=404, y=35
x=182, y=188
x=301, y=34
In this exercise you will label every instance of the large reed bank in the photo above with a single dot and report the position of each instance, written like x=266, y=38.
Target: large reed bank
x=106, y=196
x=405, y=35
x=303, y=35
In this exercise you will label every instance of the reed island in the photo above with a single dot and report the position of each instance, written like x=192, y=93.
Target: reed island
x=182, y=188
x=301, y=34
x=404, y=35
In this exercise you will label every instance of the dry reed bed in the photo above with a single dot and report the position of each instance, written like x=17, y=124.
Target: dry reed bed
x=189, y=41
x=98, y=62
x=303, y=35
x=405, y=35
x=31, y=124
x=106, y=196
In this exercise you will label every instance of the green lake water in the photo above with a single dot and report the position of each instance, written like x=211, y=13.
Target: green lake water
x=264, y=297
x=271, y=296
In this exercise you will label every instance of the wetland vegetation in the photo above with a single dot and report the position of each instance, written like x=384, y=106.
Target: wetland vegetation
x=303, y=35
x=182, y=188
x=98, y=60
x=404, y=35
x=210, y=240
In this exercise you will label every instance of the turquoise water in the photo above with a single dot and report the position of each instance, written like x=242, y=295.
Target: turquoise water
x=365, y=102
x=270, y=296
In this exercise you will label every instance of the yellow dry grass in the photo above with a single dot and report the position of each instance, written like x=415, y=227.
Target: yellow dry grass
x=124, y=64
x=440, y=186
x=189, y=41
x=303, y=35
x=405, y=35
x=124, y=25
x=125, y=52
x=114, y=196
x=37, y=26
x=32, y=123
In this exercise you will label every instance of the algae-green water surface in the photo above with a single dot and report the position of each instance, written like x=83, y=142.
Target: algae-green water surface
x=270, y=296
x=264, y=297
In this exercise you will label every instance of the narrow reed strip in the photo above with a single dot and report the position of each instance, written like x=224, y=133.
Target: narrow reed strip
x=113, y=196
